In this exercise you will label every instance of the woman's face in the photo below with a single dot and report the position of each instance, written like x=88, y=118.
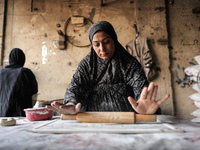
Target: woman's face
x=103, y=45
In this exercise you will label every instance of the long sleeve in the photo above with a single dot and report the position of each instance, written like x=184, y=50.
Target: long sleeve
x=135, y=78
x=80, y=86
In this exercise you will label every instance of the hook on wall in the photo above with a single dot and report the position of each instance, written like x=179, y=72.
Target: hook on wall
x=136, y=30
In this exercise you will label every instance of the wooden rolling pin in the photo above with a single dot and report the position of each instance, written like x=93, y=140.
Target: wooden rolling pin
x=109, y=117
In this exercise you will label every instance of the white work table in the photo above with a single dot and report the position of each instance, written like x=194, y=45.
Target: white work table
x=28, y=135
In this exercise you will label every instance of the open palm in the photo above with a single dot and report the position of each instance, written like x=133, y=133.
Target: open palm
x=147, y=103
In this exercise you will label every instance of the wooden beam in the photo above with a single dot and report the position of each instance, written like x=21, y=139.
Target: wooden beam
x=2, y=31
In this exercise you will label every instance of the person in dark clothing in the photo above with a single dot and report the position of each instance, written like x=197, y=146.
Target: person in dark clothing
x=108, y=79
x=17, y=86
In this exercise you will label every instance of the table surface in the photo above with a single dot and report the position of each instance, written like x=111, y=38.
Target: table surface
x=18, y=138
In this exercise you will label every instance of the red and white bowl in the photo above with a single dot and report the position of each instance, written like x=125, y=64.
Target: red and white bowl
x=42, y=113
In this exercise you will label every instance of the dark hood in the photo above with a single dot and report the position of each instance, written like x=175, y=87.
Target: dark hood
x=16, y=58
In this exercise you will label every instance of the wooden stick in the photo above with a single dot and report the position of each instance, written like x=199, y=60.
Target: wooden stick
x=109, y=117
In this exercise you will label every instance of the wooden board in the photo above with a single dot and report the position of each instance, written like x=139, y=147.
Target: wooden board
x=72, y=126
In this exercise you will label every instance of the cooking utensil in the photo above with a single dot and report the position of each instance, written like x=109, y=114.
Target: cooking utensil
x=109, y=117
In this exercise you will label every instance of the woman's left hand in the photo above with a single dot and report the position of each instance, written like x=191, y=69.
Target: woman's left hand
x=147, y=103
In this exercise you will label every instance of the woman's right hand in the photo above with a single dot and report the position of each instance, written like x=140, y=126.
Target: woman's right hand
x=69, y=108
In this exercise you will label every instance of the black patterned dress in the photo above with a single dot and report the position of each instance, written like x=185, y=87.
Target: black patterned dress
x=104, y=85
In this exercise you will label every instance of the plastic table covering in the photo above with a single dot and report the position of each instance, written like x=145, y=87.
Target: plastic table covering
x=18, y=138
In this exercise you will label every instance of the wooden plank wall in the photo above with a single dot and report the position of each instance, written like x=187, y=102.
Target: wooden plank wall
x=2, y=22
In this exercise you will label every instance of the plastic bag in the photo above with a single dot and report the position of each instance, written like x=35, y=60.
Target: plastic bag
x=195, y=97
x=196, y=113
x=197, y=58
x=197, y=103
x=193, y=70
x=195, y=87
x=196, y=120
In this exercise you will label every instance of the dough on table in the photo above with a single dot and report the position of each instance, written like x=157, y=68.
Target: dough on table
x=8, y=122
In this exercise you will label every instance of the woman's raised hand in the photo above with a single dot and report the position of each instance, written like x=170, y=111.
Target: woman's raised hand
x=147, y=103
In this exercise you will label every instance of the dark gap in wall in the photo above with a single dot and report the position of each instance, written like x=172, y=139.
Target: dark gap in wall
x=167, y=3
x=3, y=32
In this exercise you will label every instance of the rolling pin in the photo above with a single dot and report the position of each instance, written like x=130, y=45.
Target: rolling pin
x=109, y=117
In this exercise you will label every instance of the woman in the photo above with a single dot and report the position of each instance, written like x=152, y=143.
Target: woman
x=17, y=85
x=108, y=79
